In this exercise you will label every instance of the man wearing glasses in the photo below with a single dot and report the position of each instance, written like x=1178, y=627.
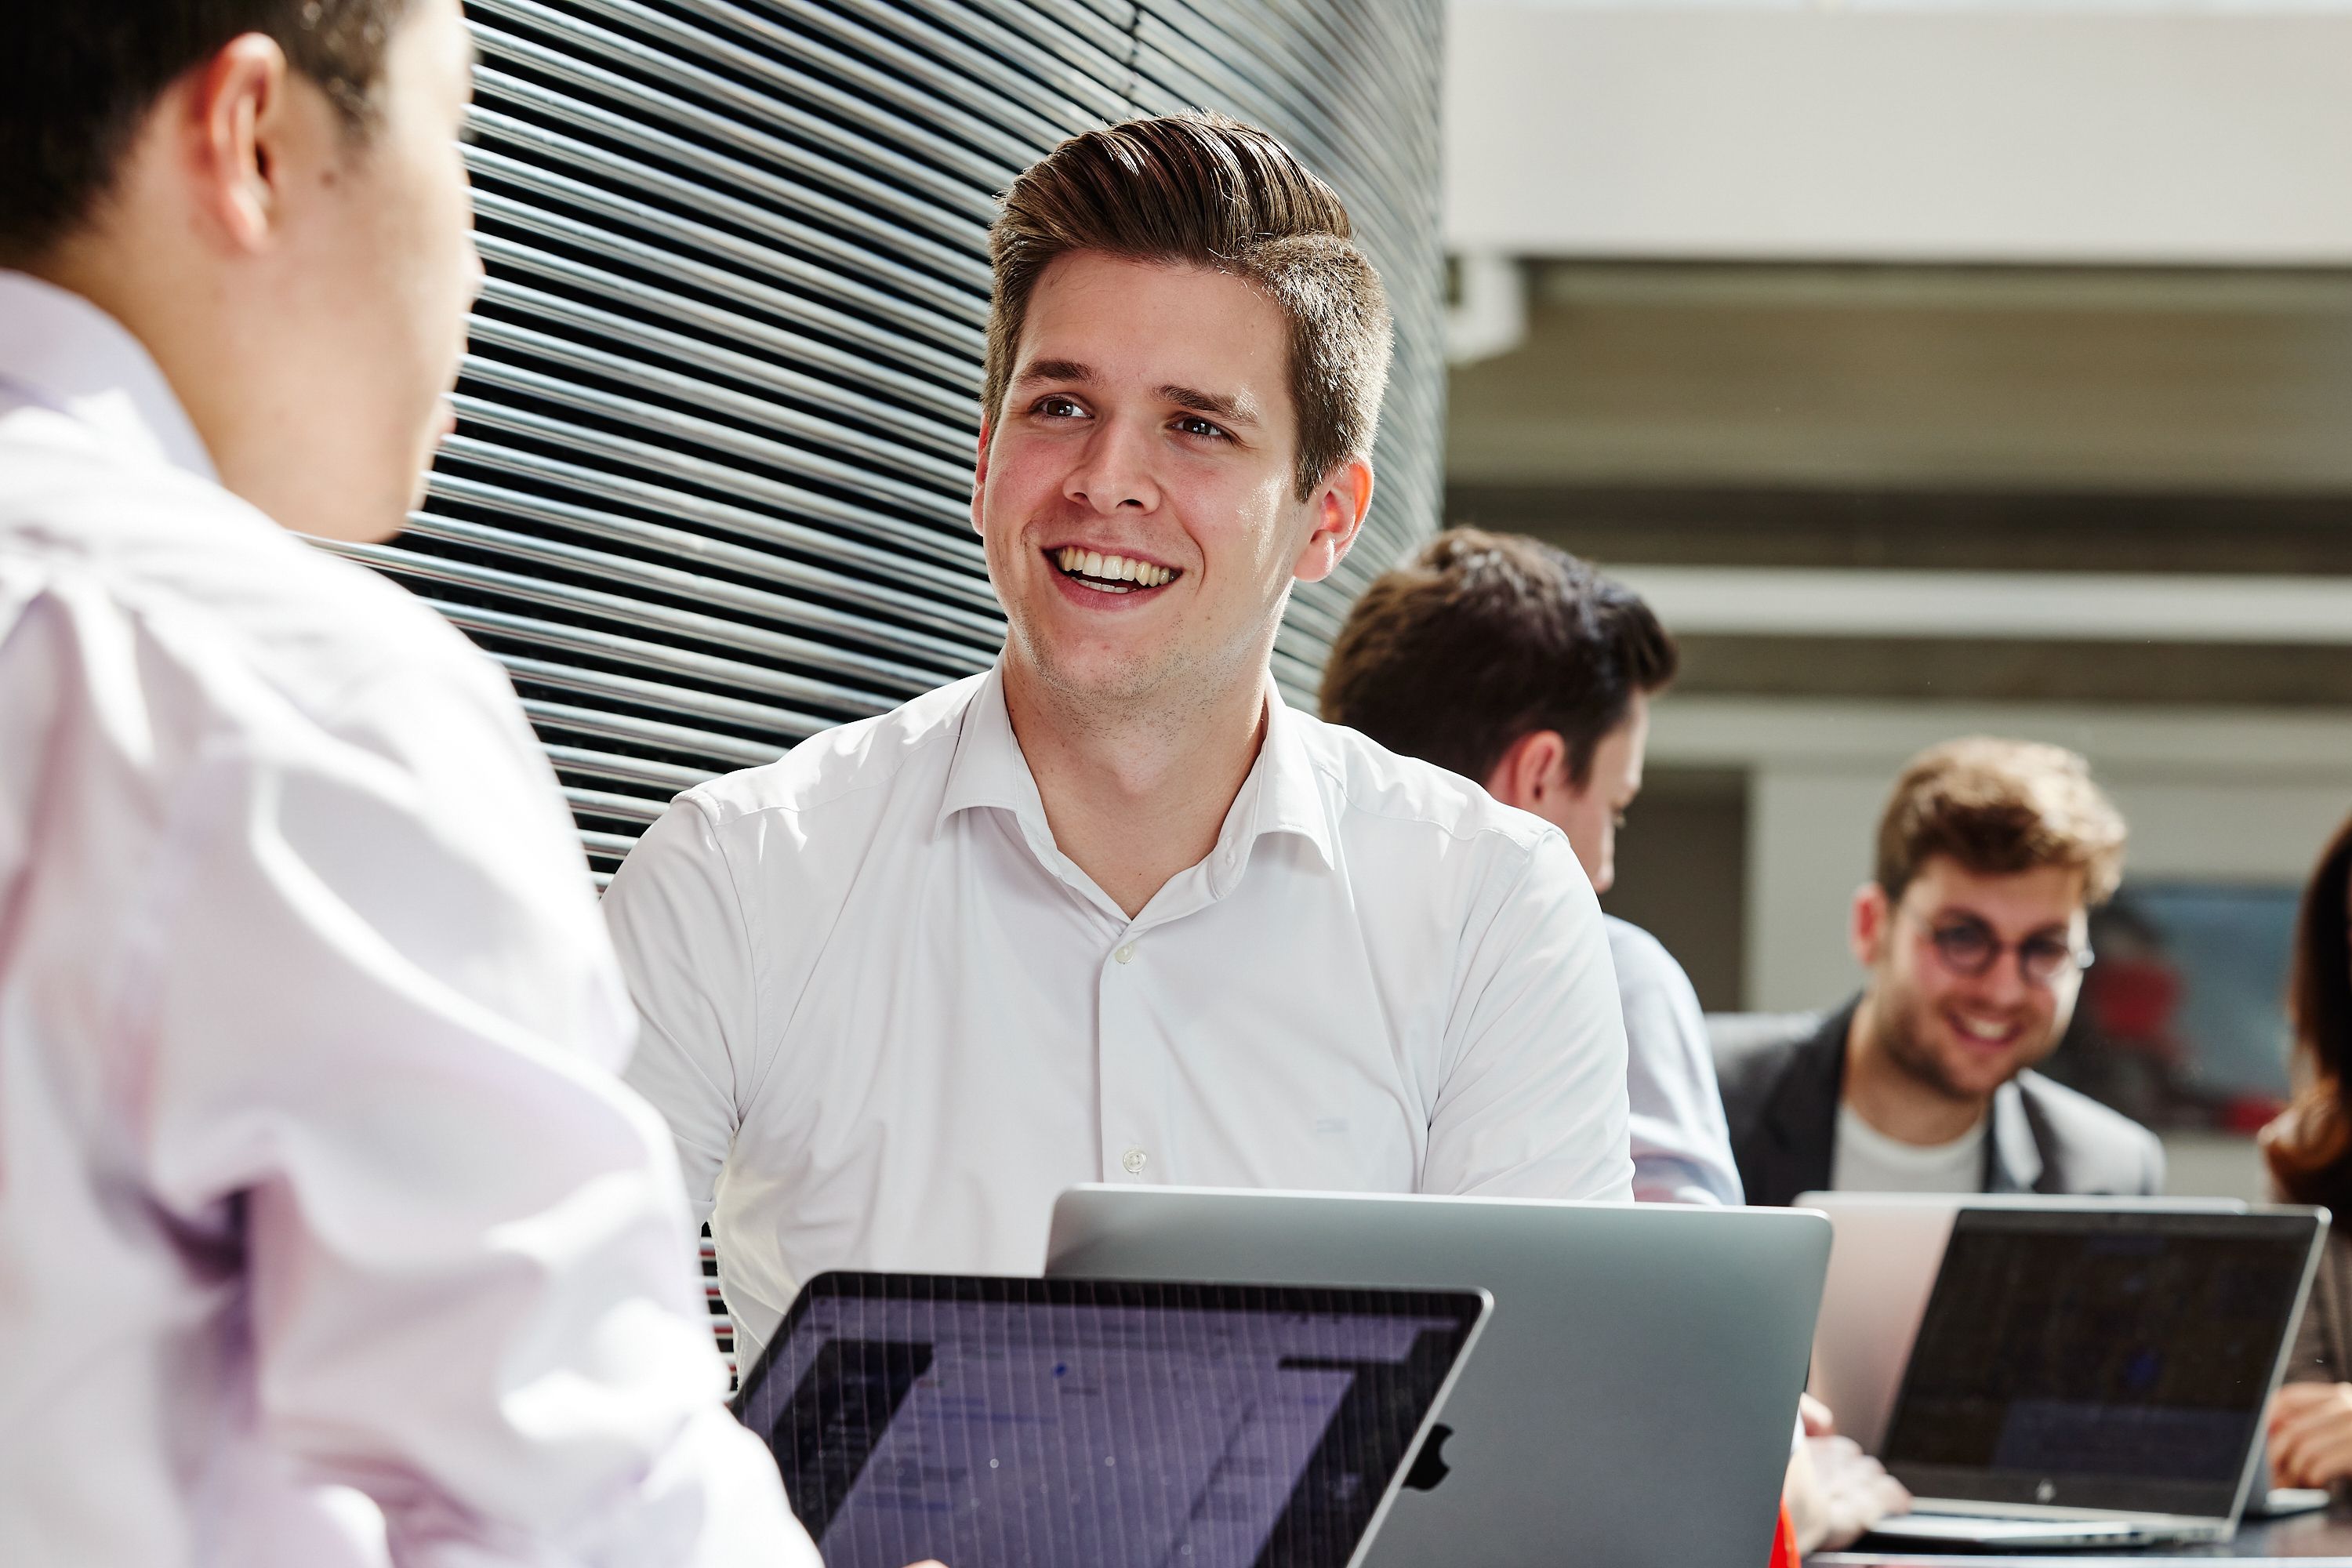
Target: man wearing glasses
x=1990, y=854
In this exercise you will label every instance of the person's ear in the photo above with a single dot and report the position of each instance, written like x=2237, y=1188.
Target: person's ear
x=1874, y=917
x=1532, y=772
x=1339, y=503
x=238, y=118
x=980, y=474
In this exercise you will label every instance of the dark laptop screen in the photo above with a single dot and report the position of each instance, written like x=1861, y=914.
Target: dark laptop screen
x=1073, y=1424
x=2109, y=1360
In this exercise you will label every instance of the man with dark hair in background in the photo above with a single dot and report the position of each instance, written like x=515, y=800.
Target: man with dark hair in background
x=1974, y=930
x=1111, y=911
x=325, y=1228
x=1516, y=664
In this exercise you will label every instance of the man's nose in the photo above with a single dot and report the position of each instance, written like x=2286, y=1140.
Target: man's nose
x=1114, y=472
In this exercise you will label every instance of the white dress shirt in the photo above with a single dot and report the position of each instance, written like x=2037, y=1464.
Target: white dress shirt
x=325, y=1228
x=1681, y=1140
x=889, y=1021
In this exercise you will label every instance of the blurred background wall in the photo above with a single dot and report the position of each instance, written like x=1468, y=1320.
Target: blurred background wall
x=710, y=490
x=1939, y=367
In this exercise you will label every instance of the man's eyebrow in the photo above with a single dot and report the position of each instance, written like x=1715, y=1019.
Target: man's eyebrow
x=1055, y=370
x=1233, y=410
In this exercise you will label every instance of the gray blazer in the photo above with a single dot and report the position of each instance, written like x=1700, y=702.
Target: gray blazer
x=1782, y=1080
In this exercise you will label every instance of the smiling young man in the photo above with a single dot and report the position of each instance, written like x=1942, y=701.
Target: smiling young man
x=1111, y=911
x=1990, y=854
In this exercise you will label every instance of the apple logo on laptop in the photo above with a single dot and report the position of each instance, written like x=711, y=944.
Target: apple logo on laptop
x=2045, y=1491
x=1429, y=1466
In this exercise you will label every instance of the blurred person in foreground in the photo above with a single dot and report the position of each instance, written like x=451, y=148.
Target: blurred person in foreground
x=1112, y=910
x=2309, y=1151
x=1975, y=931
x=325, y=1229
x=1514, y=663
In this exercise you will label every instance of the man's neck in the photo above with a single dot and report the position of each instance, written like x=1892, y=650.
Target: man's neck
x=1890, y=1100
x=1135, y=798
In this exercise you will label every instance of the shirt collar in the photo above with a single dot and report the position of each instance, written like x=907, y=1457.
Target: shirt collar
x=60, y=351
x=1281, y=794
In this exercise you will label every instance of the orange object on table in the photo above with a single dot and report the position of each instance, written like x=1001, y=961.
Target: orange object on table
x=1784, y=1541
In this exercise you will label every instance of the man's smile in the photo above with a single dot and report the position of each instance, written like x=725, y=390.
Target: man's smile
x=1106, y=572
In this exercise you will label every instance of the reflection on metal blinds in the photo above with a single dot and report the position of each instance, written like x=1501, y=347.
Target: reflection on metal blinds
x=709, y=489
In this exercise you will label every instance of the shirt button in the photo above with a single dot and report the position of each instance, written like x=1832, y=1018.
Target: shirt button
x=1125, y=954
x=1135, y=1162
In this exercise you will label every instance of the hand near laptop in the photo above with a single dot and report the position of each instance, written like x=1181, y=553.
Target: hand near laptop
x=1835, y=1492
x=2311, y=1433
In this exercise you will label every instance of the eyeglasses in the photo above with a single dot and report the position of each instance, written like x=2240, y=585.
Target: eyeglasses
x=1968, y=947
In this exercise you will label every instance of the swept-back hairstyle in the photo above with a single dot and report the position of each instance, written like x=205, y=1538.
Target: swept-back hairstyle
x=1200, y=190
x=78, y=78
x=1485, y=637
x=2309, y=1148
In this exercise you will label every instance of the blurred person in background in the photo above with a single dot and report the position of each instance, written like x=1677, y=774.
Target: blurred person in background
x=1515, y=664
x=2309, y=1151
x=1974, y=931
x=325, y=1228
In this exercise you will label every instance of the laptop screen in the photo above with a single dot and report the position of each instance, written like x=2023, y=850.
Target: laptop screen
x=1070, y=1424
x=2100, y=1360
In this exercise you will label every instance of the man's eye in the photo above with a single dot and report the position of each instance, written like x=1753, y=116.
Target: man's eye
x=1194, y=425
x=1059, y=408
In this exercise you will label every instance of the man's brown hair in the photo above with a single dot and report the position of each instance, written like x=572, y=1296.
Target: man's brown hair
x=1485, y=637
x=1200, y=190
x=1998, y=807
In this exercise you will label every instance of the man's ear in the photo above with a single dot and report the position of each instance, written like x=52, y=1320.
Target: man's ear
x=1339, y=502
x=979, y=473
x=1872, y=918
x=231, y=134
x=1531, y=772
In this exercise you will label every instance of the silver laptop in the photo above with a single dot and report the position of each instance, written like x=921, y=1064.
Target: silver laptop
x=2095, y=1377
x=1633, y=1397
x=998, y=1423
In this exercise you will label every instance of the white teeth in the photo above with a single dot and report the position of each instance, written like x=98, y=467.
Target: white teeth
x=1982, y=1030
x=1078, y=560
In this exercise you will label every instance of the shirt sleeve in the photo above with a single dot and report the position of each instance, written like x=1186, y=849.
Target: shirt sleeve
x=1534, y=1102
x=1681, y=1143
x=383, y=1022
x=688, y=959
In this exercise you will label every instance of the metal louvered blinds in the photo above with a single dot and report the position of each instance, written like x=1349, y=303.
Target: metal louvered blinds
x=710, y=490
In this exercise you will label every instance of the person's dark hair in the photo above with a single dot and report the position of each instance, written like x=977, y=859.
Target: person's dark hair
x=1486, y=637
x=78, y=78
x=1200, y=190
x=2309, y=1147
x=2000, y=807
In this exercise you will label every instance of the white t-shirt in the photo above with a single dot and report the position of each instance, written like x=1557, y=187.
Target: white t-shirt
x=1868, y=1160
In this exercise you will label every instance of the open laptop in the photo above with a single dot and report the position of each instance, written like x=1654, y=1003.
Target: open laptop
x=1062, y=1424
x=1631, y=1402
x=2095, y=1377
x=1882, y=1263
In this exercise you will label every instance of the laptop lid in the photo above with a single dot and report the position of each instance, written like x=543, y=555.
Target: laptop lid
x=2102, y=1359
x=998, y=1423
x=1883, y=1264
x=1632, y=1400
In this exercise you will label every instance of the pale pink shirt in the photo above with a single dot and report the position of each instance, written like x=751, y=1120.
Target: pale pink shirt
x=322, y=1217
